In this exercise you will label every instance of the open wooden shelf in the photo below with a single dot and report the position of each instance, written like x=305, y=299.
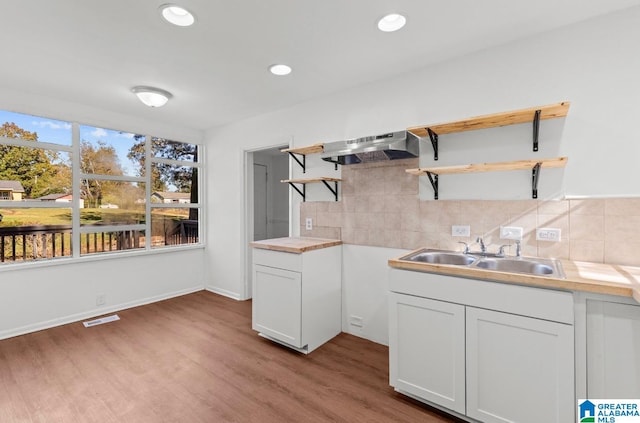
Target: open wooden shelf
x=310, y=149
x=304, y=181
x=532, y=114
x=311, y=180
x=533, y=165
x=550, y=111
x=490, y=167
x=303, y=151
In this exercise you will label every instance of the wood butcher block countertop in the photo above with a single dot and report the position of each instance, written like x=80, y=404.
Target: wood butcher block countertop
x=295, y=245
x=599, y=278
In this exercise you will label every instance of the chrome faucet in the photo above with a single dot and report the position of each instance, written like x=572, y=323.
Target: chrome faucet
x=518, y=248
x=483, y=248
x=466, y=247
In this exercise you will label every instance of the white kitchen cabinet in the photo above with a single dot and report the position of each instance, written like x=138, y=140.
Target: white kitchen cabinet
x=297, y=296
x=519, y=369
x=482, y=350
x=613, y=349
x=277, y=304
x=427, y=344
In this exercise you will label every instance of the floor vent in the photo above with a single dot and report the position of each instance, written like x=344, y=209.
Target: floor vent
x=101, y=321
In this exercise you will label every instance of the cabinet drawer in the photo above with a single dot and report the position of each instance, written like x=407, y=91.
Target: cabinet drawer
x=278, y=259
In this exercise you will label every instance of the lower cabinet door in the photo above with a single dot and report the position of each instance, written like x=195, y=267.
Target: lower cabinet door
x=277, y=299
x=426, y=350
x=519, y=369
x=613, y=348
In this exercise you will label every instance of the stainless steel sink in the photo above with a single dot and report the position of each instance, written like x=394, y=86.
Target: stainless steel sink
x=524, y=265
x=440, y=257
x=530, y=266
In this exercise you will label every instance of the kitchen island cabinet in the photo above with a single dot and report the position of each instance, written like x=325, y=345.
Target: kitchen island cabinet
x=297, y=290
x=482, y=350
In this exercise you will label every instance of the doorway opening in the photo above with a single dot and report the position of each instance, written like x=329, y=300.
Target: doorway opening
x=267, y=200
x=270, y=196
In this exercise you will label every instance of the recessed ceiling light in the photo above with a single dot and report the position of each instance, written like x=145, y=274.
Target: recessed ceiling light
x=177, y=15
x=280, y=70
x=391, y=22
x=152, y=97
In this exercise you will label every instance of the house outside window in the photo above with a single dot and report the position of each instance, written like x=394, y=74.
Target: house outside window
x=11, y=190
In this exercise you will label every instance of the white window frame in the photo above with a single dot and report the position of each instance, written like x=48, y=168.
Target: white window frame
x=77, y=229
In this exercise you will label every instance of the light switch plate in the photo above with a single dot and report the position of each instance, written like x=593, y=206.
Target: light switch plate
x=308, y=223
x=511, y=232
x=461, y=230
x=548, y=234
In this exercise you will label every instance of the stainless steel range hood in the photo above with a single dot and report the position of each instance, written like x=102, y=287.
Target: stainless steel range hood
x=391, y=146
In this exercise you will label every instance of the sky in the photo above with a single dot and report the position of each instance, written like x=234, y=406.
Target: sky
x=59, y=132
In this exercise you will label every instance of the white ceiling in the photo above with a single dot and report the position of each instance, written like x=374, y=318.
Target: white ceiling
x=92, y=52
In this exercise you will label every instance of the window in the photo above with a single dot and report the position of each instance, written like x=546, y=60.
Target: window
x=174, y=198
x=132, y=191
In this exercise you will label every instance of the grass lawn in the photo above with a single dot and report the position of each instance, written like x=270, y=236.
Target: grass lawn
x=28, y=217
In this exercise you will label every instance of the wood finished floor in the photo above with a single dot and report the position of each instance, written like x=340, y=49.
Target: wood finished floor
x=194, y=359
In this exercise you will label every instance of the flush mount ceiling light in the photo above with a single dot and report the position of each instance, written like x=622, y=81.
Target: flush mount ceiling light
x=280, y=70
x=177, y=15
x=152, y=97
x=391, y=22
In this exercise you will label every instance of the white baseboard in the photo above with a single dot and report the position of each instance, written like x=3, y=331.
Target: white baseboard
x=93, y=313
x=225, y=293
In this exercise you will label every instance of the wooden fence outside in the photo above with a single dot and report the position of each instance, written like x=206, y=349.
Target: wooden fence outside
x=39, y=242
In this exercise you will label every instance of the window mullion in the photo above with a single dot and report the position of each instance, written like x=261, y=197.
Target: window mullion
x=75, y=172
x=148, y=187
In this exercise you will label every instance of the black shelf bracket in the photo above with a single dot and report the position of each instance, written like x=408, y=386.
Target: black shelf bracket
x=333, y=191
x=536, y=129
x=433, y=178
x=303, y=193
x=434, y=143
x=303, y=163
x=535, y=175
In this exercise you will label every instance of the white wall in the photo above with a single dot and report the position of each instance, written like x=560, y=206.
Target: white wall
x=36, y=297
x=364, y=290
x=19, y=101
x=592, y=64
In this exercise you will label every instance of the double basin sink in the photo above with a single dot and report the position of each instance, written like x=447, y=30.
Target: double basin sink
x=524, y=265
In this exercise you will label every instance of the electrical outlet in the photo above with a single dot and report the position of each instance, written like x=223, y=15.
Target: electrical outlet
x=461, y=230
x=355, y=321
x=101, y=299
x=308, y=223
x=548, y=234
x=511, y=232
